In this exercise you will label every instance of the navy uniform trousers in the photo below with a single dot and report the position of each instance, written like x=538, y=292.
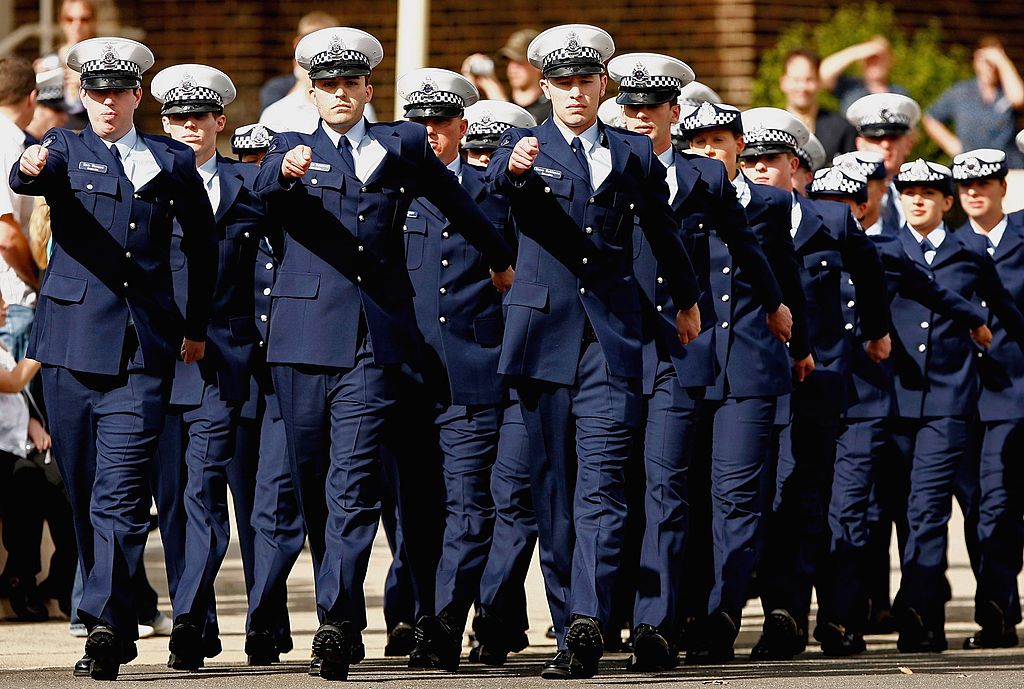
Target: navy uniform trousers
x=572, y=346
x=107, y=333
x=936, y=395
x=865, y=440
x=989, y=484
x=827, y=242
x=341, y=323
x=677, y=408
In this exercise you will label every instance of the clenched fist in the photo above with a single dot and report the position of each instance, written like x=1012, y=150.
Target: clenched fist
x=523, y=155
x=33, y=160
x=688, y=324
x=780, y=323
x=296, y=162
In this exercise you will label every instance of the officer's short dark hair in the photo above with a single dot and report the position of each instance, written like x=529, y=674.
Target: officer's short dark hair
x=806, y=54
x=17, y=79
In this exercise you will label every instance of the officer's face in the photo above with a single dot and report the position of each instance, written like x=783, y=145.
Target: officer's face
x=197, y=130
x=111, y=111
x=575, y=99
x=720, y=144
x=479, y=156
x=774, y=169
x=444, y=135
x=983, y=197
x=894, y=148
x=341, y=100
x=799, y=83
x=924, y=207
x=653, y=120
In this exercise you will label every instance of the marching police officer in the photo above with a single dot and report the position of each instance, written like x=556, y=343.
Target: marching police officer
x=811, y=157
x=342, y=316
x=107, y=330
x=250, y=142
x=675, y=404
x=573, y=328
x=827, y=241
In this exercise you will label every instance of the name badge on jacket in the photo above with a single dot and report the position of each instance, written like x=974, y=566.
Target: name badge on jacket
x=92, y=167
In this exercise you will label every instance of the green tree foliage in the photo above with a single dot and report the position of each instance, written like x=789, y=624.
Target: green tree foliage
x=921, y=63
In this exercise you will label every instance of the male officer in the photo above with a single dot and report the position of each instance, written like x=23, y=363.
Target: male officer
x=936, y=392
x=726, y=492
x=193, y=98
x=988, y=484
x=342, y=315
x=827, y=241
x=885, y=122
x=865, y=440
x=250, y=142
x=107, y=330
x=457, y=390
x=675, y=404
x=573, y=328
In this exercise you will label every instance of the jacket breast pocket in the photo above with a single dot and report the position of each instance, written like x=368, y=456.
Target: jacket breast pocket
x=822, y=264
x=560, y=189
x=63, y=288
x=415, y=240
x=296, y=285
x=98, y=194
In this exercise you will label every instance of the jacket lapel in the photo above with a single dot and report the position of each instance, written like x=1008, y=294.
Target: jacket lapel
x=911, y=246
x=620, y=150
x=230, y=185
x=554, y=146
x=472, y=181
x=687, y=176
x=810, y=224
x=1013, y=238
x=757, y=204
x=102, y=152
x=951, y=244
x=164, y=157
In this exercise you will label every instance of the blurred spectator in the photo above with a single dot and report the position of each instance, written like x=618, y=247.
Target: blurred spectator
x=19, y=277
x=77, y=20
x=877, y=57
x=523, y=78
x=51, y=106
x=800, y=85
x=293, y=110
x=982, y=110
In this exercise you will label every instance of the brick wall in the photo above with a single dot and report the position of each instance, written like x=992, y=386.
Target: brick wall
x=251, y=40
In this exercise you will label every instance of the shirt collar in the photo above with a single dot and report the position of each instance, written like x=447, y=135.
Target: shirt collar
x=935, y=236
x=667, y=157
x=355, y=134
x=875, y=229
x=208, y=170
x=995, y=235
x=126, y=144
x=590, y=137
x=456, y=166
x=742, y=188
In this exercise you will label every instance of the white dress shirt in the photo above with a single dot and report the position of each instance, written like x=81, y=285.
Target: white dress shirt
x=139, y=164
x=796, y=215
x=875, y=229
x=668, y=159
x=995, y=235
x=742, y=188
x=935, y=237
x=456, y=167
x=367, y=152
x=210, y=175
x=598, y=155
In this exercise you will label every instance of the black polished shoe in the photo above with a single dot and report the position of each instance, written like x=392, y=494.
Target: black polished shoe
x=711, y=640
x=994, y=633
x=916, y=636
x=401, y=640
x=583, y=639
x=651, y=651
x=185, y=645
x=564, y=665
x=25, y=600
x=261, y=649
x=105, y=650
x=837, y=642
x=438, y=644
x=496, y=640
x=551, y=633
x=83, y=668
x=337, y=647
x=314, y=667
x=780, y=638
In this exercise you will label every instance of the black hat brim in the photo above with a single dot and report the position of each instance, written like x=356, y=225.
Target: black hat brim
x=338, y=70
x=485, y=142
x=181, y=108
x=1001, y=174
x=424, y=111
x=569, y=69
x=945, y=186
x=109, y=82
x=736, y=127
x=880, y=131
x=765, y=149
x=859, y=197
x=655, y=97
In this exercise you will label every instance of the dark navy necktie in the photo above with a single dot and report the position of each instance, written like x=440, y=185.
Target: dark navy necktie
x=926, y=246
x=345, y=150
x=117, y=156
x=581, y=158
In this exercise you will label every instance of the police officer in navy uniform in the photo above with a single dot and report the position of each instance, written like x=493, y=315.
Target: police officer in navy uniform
x=827, y=241
x=988, y=484
x=726, y=492
x=501, y=621
x=573, y=335
x=251, y=141
x=703, y=203
x=342, y=316
x=457, y=389
x=107, y=330
x=885, y=123
x=936, y=392
x=193, y=98
x=865, y=440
